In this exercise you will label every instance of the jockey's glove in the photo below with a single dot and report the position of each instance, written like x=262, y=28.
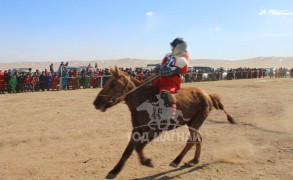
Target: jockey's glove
x=157, y=68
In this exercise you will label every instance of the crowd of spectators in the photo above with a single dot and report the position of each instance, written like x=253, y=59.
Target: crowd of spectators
x=239, y=73
x=89, y=76
x=62, y=79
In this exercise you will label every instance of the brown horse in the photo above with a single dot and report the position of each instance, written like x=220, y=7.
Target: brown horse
x=193, y=103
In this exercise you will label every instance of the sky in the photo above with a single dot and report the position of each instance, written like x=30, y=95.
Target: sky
x=64, y=30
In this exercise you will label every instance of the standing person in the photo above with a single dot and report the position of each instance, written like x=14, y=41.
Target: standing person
x=24, y=82
x=7, y=75
x=42, y=81
x=73, y=78
x=29, y=70
x=78, y=77
x=87, y=80
x=20, y=80
x=95, y=75
x=260, y=73
x=106, y=76
x=37, y=78
x=69, y=79
x=2, y=82
x=13, y=83
x=65, y=76
x=82, y=77
x=17, y=75
x=46, y=72
x=271, y=72
x=140, y=75
x=51, y=68
x=48, y=81
x=99, y=74
x=31, y=82
x=174, y=64
x=55, y=81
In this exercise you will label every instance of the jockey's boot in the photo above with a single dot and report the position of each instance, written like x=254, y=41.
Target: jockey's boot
x=172, y=110
x=170, y=103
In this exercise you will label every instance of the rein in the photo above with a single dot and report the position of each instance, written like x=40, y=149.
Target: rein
x=116, y=100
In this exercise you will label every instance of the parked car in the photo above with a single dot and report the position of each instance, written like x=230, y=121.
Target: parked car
x=190, y=68
x=21, y=70
x=207, y=73
x=93, y=69
x=79, y=69
x=221, y=73
x=142, y=69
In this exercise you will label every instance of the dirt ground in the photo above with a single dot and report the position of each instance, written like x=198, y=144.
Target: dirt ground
x=60, y=135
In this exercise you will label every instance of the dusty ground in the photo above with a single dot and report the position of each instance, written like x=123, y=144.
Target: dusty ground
x=59, y=135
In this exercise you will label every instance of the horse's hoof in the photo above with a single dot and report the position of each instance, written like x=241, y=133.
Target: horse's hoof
x=148, y=162
x=172, y=164
x=110, y=176
x=191, y=163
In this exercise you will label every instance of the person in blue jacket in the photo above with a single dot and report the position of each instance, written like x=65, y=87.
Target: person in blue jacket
x=48, y=81
x=65, y=76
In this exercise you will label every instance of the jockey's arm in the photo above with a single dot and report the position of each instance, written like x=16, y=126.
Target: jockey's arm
x=180, y=66
x=169, y=71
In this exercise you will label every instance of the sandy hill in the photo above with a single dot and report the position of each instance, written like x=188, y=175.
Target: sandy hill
x=128, y=62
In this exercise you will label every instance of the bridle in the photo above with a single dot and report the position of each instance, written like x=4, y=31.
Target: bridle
x=115, y=100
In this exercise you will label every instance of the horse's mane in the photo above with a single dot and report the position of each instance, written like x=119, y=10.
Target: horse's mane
x=136, y=81
x=147, y=90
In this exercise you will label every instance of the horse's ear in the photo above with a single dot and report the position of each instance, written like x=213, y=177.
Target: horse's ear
x=112, y=71
x=115, y=72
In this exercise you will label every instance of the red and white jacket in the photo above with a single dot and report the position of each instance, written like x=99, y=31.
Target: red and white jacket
x=177, y=61
x=172, y=83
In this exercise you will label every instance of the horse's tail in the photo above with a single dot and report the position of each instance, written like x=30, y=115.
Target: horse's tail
x=217, y=103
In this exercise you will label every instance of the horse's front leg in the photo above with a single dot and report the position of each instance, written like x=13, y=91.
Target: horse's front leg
x=147, y=137
x=126, y=154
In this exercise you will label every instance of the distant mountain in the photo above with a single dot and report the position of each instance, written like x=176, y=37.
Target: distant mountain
x=257, y=62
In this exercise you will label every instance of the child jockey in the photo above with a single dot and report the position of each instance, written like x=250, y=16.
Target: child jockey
x=174, y=64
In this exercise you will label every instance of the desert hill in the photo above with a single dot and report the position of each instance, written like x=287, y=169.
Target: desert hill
x=257, y=62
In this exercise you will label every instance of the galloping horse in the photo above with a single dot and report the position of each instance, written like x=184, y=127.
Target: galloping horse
x=194, y=103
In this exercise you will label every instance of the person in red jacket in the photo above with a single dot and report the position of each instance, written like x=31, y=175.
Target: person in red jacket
x=174, y=64
x=74, y=76
x=55, y=82
x=2, y=82
x=140, y=75
x=30, y=82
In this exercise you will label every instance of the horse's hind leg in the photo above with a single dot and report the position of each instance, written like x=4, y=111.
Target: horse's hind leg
x=191, y=141
x=198, y=143
x=194, y=124
x=139, y=148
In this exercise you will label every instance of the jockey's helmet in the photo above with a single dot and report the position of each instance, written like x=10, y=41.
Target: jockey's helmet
x=179, y=43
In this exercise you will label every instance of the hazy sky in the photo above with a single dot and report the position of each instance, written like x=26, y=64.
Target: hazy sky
x=61, y=30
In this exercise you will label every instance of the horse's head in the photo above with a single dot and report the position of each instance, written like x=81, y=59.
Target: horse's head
x=114, y=90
